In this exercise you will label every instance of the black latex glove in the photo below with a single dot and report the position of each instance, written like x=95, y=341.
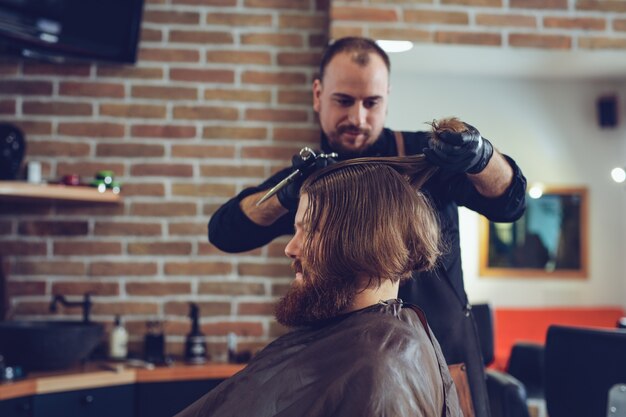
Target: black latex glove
x=290, y=194
x=465, y=152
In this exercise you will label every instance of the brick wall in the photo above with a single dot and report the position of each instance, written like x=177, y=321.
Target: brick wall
x=544, y=24
x=219, y=99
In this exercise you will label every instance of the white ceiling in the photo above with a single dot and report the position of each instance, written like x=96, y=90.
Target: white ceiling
x=508, y=62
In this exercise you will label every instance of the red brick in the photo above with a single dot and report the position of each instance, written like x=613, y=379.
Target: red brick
x=410, y=34
x=39, y=308
x=53, y=228
x=163, y=209
x=206, y=2
x=49, y=268
x=22, y=248
x=602, y=5
x=82, y=287
x=469, y=38
x=130, y=72
x=276, y=115
x=295, y=97
x=158, y=288
x=293, y=134
x=87, y=89
x=205, y=113
x=166, y=93
x=341, y=29
x=150, y=35
x=57, y=148
x=302, y=21
x=227, y=132
x=159, y=248
x=206, y=248
x=171, y=16
x=91, y=129
x=202, y=75
x=278, y=4
x=121, y=269
x=7, y=107
x=318, y=40
x=86, y=247
x=163, y=131
x=129, y=150
x=228, y=171
x=362, y=14
x=269, y=152
x=201, y=36
x=143, y=189
x=187, y=229
x=102, y=228
x=276, y=249
x=574, y=23
x=15, y=288
x=75, y=209
x=212, y=308
x=255, y=309
x=266, y=269
x=539, y=4
x=618, y=24
x=239, y=19
x=221, y=94
x=506, y=20
x=272, y=39
x=239, y=57
x=162, y=170
x=540, y=41
x=168, y=55
x=142, y=111
x=306, y=59
x=125, y=309
x=24, y=88
x=203, y=151
x=478, y=3
x=601, y=43
x=88, y=169
x=197, y=268
x=64, y=70
x=31, y=127
x=277, y=329
x=57, y=108
x=203, y=190
x=6, y=228
x=9, y=68
x=436, y=16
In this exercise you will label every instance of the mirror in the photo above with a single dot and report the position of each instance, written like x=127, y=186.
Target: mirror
x=549, y=240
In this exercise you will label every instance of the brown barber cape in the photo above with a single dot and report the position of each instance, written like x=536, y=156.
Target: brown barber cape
x=378, y=362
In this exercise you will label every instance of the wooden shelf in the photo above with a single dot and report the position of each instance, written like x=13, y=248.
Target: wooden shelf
x=24, y=191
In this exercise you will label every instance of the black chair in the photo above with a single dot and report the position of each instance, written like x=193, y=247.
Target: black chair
x=507, y=395
x=582, y=365
x=526, y=363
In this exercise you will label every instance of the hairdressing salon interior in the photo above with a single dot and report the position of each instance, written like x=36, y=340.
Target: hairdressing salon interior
x=132, y=140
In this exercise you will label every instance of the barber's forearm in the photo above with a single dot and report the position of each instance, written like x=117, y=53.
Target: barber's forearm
x=265, y=214
x=494, y=180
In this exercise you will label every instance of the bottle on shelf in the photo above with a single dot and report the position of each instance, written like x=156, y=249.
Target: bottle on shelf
x=118, y=340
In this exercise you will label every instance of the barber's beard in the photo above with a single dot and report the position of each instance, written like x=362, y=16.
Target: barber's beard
x=314, y=299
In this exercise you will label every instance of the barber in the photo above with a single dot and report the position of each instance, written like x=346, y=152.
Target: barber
x=351, y=99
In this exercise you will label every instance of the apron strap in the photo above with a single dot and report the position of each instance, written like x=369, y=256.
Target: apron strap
x=400, y=143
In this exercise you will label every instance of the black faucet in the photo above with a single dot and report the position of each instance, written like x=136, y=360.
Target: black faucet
x=85, y=304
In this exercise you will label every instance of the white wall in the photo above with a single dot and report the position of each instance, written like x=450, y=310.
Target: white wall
x=549, y=127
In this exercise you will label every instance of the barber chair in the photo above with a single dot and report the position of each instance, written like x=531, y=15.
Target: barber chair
x=507, y=395
x=585, y=372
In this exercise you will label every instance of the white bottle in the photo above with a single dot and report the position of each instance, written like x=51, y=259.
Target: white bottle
x=118, y=341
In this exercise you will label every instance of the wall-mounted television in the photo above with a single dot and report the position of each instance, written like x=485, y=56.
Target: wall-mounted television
x=61, y=30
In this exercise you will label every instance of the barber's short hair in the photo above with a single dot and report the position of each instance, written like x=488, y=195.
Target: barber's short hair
x=366, y=216
x=359, y=45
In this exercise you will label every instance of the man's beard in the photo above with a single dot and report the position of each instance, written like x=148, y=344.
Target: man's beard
x=314, y=299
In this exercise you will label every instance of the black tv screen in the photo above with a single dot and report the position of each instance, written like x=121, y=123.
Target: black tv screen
x=99, y=30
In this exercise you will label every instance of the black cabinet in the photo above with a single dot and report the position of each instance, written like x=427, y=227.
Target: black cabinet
x=17, y=407
x=164, y=399
x=115, y=401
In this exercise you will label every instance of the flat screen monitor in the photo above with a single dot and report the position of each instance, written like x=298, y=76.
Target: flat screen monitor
x=58, y=30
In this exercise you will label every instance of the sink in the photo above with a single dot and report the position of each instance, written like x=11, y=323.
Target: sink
x=48, y=345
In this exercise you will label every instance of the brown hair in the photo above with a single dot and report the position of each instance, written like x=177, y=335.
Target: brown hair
x=361, y=47
x=367, y=216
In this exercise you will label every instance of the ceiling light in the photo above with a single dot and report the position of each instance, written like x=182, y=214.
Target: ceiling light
x=394, y=46
x=618, y=175
x=536, y=191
